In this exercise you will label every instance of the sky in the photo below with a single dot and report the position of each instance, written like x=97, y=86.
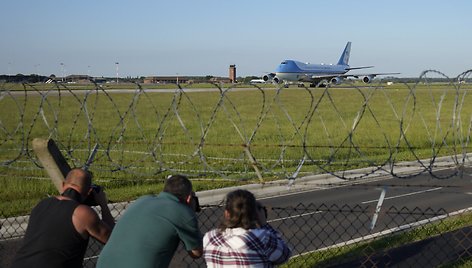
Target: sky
x=178, y=37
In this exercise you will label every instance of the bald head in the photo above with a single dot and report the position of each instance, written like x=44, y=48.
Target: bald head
x=79, y=179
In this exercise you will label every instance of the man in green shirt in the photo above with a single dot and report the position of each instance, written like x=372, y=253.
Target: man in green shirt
x=148, y=233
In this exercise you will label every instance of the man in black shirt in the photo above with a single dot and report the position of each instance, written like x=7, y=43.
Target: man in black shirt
x=59, y=227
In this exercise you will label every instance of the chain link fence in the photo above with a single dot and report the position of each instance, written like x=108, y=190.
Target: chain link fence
x=327, y=236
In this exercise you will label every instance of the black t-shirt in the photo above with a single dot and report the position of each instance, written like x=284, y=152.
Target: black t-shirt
x=51, y=239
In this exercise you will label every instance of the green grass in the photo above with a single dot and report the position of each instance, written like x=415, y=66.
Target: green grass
x=146, y=137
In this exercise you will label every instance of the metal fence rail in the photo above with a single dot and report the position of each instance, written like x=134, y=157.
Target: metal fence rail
x=327, y=235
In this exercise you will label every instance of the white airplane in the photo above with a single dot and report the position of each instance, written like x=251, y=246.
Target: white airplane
x=295, y=71
x=257, y=81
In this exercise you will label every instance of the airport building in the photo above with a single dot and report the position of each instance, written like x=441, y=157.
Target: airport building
x=193, y=79
x=166, y=80
x=232, y=73
x=185, y=79
x=85, y=79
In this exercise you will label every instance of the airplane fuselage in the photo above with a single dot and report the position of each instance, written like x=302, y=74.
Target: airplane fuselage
x=290, y=70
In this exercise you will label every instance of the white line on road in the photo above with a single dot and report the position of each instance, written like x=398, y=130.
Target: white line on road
x=403, y=195
x=295, y=216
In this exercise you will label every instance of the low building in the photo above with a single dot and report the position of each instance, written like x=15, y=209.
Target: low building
x=77, y=78
x=166, y=80
x=184, y=79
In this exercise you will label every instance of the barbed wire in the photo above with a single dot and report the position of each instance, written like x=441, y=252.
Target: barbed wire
x=244, y=131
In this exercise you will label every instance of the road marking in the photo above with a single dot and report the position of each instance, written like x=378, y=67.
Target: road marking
x=403, y=195
x=377, y=209
x=295, y=216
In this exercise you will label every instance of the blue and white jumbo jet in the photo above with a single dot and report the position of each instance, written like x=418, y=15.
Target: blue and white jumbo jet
x=318, y=74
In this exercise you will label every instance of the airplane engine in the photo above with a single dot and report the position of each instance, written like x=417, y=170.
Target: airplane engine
x=336, y=80
x=276, y=80
x=268, y=77
x=367, y=79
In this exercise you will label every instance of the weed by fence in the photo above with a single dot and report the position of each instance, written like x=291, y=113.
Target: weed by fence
x=328, y=236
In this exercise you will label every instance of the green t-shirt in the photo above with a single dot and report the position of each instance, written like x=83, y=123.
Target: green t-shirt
x=149, y=232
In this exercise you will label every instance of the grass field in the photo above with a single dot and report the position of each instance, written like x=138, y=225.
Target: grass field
x=144, y=136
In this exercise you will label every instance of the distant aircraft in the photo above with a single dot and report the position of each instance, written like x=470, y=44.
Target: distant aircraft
x=257, y=81
x=295, y=71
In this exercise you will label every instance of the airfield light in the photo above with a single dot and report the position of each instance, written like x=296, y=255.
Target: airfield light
x=116, y=64
x=36, y=68
x=62, y=71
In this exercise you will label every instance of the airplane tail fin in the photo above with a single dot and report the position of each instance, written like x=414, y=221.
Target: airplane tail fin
x=344, y=59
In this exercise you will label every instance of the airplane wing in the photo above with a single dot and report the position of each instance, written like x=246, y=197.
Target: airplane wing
x=336, y=79
x=348, y=75
x=356, y=68
x=369, y=74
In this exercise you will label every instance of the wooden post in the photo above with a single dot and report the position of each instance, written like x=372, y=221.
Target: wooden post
x=52, y=160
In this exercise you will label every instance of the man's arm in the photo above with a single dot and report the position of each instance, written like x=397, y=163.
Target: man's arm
x=193, y=231
x=102, y=201
x=87, y=223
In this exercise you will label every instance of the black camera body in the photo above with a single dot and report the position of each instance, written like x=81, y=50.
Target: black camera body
x=197, y=204
x=89, y=201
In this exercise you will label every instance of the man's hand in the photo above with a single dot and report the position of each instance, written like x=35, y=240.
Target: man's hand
x=100, y=197
x=102, y=201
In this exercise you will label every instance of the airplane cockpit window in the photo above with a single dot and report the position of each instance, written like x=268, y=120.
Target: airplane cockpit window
x=283, y=62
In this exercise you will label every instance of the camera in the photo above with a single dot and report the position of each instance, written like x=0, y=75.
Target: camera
x=90, y=200
x=265, y=211
x=196, y=203
x=261, y=207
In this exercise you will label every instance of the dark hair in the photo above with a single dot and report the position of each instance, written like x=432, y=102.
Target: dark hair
x=241, y=207
x=179, y=186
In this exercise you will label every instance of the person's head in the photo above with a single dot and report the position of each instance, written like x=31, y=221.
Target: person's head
x=240, y=210
x=79, y=180
x=179, y=186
